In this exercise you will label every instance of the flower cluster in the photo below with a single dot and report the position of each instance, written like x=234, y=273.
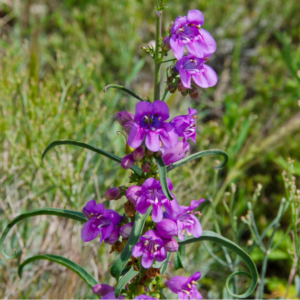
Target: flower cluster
x=187, y=32
x=150, y=135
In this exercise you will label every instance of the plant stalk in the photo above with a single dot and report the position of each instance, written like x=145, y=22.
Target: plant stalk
x=157, y=57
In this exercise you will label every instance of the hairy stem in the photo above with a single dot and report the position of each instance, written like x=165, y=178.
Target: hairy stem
x=157, y=58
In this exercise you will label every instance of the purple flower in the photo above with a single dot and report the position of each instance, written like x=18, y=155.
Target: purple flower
x=133, y=193
x=102, y=289
x=144, y=297
x=176, y=153
x=187, y=31
x=113, y=237
x=185, y=286
x=139, y=153
x=149, y=125
x=150, y=246
x=185, y=126
x=152, y=194
x=127, y=161
x=185, y=220
x=114, y=193
x=100, y=221
x=167, y=228
x=111, y=296
x=123, y=117
x=191, y=67
x=125, y=230
x=171, y=245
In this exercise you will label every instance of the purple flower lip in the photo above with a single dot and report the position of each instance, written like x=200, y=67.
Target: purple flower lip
x=176, y=153
x=100, y=221
x=151, y=193
x=150, y=246
x=149, y=125
x=191, y=67
x=187, y=31
x=185, y=286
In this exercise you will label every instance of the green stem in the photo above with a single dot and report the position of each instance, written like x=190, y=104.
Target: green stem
x=262, y=277
x=157, y=58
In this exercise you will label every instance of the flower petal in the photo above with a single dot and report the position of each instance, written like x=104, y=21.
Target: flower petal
x=157, y=213
x=185, y=78
x=207, y=78
x=168, y=136
x=152, y=141
x=136, y=136
x=162, y=254
x=177, y=47
x=142, y=108
x=138, y=250
x=195, y=17
x=142, y=205
x=195, y=48
x=206, y=42
x=161, y=108
x=89, y=231
x=175, y=283
x=196, y=228
x=179, y=22
x=147, y=260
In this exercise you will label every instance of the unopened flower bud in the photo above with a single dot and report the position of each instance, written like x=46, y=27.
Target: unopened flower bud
x=125, y=230
x=124, y=116
x=149, y=152
x=185, y=93
x=113, y=193
x=146, y=166
x=171, y=245
x=139, y=153
x=172, y=88
x=181, y=87
x=193, y=93
x=102, y=289
x=166, y=44
x=127, y=126
x=127, y=161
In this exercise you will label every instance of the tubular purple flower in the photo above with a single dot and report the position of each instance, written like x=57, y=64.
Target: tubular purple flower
x=184, y=287
x=171, y=245
x=176, y=153
x=127, y=161
x=150, y=246
x=149, y=125
x=185, y=219
x=133, y=193
x=100, y=221
x=114, y=236
x=101, y=289
x=152, y=194
x=139, y=153
x=125, y=230
x=124, y=116
x=187, y=31
x=167, y=228
x=144, y=297
x=111, y=296
x=191, y=67
x=185, y=126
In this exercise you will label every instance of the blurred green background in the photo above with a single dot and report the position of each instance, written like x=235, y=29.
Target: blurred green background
x=56, y=57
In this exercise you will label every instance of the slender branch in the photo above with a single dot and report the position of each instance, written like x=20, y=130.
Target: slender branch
x=157, y=58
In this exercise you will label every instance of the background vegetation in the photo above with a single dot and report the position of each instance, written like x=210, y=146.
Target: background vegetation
x=56, y=57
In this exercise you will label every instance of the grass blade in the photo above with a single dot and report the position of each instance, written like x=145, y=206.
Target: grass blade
x=80, y=271
x=74, y=215
x=163, y=177
x=214, y=237
x=125, y=279
x=111, y=156
x=122, y=88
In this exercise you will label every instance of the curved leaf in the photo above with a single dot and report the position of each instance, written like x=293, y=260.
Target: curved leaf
x=114, y=157
x=74, y=215
x=125, y=279
x=136, y=232
x=163, y=177
x=122, y=88
x=198, y=155
x=80, y=271
x=214, y=237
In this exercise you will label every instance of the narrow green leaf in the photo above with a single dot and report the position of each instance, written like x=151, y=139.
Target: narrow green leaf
x=214, y=237
x=198, y=155
x=74, y=215
x=111, y=156
x=80, y=271
x=122, y=88
x=135, y=235
x=166, y=264
x=125, y=279
x=163, y=177
x=177, y=261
